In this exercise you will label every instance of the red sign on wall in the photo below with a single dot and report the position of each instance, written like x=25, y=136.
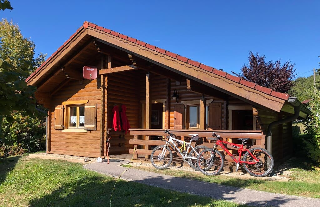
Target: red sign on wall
x=89, y=72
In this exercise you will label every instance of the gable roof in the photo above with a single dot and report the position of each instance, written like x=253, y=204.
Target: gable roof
x=218, y=79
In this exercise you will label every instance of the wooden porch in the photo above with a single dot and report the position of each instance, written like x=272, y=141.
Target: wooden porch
x=141, y=138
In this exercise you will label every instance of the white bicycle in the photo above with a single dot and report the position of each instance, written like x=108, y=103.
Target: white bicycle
x=161, y=156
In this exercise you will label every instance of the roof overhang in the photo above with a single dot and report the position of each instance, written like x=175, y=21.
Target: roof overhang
x=216, y=79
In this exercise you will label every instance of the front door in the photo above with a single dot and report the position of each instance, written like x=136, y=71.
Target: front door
x=156, y=116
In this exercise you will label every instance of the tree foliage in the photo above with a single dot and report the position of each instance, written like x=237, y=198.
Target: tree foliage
x=20, y=122
x=312, y=142
x=279, y=77
x=16, y=63
x=5, y=4
x=301, y=86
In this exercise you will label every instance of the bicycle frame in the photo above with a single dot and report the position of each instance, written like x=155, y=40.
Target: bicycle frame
x=241, y=151
x=187, y=145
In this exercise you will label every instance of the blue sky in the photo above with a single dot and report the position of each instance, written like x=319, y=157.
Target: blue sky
x=219, y=33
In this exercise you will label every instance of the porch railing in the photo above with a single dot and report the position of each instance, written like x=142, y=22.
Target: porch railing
x=141, y=138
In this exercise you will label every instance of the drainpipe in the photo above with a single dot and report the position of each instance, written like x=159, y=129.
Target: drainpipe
x=297, y=106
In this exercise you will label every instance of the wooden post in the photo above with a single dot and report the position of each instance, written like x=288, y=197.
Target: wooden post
x=102, y=140
x=147, y=108
x=203, y=113
x=135, y=153
x=168, y=101
x=48, y=148
x=108, y=66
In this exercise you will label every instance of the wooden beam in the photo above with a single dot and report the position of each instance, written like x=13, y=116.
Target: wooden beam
x=78, y=53
x=168, y=103
x=117, y=69
x=48, y=123
x=233, y=88
x=202, y=113
x=102, y=122
x=207, y=90
x=57, y=58
x=147, y=107
x=60, y=86
x=252, y=134
x=72, y=74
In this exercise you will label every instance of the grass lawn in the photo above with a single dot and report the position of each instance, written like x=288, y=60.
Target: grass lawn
x=36, y=182
x=304, y=181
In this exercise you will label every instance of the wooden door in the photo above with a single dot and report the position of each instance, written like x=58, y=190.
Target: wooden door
x=215, y=116
x=242, y=119
x=156, y=116
x=179, y=116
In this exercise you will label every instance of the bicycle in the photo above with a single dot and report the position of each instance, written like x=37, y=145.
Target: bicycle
x=161, y=156
x=256, y=161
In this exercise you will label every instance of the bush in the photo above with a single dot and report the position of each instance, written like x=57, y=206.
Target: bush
x=22, y=133
x=6, y=151
x=312, y=140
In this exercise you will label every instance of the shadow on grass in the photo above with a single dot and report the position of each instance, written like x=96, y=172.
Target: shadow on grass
x=7, y=165
x=98, y=191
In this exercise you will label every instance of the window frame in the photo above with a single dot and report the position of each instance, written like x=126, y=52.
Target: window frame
x=189, y=117
x=68, y=116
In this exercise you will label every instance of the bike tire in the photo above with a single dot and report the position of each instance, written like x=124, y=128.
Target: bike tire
x=210, y=161
x=265, y=165
x=192, y=153
x=159, y=160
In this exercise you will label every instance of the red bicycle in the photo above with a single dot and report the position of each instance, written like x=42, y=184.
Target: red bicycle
x=256, y=161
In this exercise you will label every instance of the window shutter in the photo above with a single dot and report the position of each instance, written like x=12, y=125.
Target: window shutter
x=90, y=117
x=58, y=117
x=215, y=116
x=179, y=116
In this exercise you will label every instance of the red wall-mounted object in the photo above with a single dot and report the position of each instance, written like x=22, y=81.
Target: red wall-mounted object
x=90, y=72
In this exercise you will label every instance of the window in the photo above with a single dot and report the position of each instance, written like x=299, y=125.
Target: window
x=76, y=116
x=193, y=114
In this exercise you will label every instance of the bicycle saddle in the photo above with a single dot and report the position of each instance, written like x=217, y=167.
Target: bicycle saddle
x=213, y=138
x=244, y=140
x=195, y=137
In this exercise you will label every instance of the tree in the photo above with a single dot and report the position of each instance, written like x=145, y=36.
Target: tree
x=5, y=4
x=312, y=141
x=16, y=64
x=279, y=77
x=300, y=86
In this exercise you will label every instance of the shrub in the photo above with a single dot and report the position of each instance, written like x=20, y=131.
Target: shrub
x=312, y=140
x=22, y=131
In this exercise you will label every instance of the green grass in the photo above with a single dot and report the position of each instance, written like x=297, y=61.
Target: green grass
x=304, y=180
x=36, y=182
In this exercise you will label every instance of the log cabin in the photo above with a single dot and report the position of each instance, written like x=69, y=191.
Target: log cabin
x=100, y=78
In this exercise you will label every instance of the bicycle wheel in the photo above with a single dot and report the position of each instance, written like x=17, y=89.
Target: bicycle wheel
x=261, y=168
x=161, y=157
x=210, y=161
x=194, y=154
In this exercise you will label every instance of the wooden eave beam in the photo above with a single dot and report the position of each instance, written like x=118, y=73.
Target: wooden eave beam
x=242, y=92
x=57, y=75
x=78, y=53
x=117, y=69
x=60, y=86
x=72, y=74
x=36, y=78
x=203, y=89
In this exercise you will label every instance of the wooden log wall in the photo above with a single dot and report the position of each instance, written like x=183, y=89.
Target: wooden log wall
x=76, y=143
x=187, y=95
x=282, y=146
x=123, y=89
